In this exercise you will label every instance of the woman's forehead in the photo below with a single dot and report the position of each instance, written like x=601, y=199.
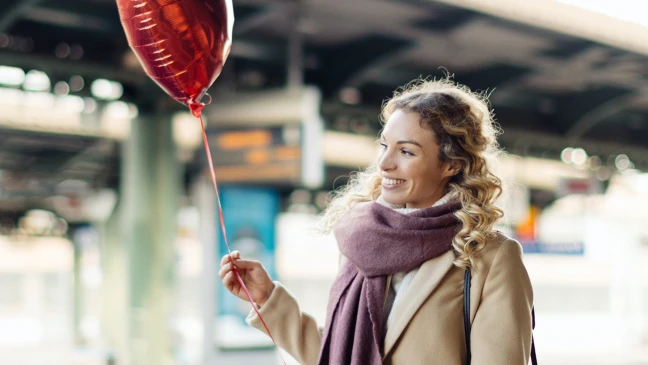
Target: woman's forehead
x=403, y=124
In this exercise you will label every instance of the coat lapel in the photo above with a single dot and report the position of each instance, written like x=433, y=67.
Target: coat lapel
x=426, y=279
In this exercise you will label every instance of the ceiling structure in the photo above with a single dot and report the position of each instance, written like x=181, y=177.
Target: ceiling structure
x=549, y=90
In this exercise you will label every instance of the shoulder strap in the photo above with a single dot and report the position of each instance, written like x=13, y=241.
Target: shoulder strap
x=467, y=280
x=534, y=360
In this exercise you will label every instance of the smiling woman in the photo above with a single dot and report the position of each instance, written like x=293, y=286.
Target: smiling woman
x=439, y=138
x=420, y=252
x=413, y=175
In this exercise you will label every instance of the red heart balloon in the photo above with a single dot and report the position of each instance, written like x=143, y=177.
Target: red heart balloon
x=182, y=44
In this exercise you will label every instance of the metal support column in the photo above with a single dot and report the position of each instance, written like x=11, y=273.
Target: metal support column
x=150, y=188
x=295, y=64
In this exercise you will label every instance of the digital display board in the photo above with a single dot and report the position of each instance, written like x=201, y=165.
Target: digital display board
x=258, y=155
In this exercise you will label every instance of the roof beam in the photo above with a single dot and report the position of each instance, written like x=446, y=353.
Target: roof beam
x=269, y=14
x=565, y=19
x=69, y=20
x=598, y=114
x=14, y=13
x=376, y=67
x=512, y=136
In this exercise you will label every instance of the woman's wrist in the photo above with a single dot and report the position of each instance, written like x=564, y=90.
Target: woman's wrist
x=260, y=303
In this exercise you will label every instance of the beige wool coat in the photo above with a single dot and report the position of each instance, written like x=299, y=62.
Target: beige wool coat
x=428, y=318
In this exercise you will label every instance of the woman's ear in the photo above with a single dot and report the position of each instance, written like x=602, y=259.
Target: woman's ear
x=451, y=168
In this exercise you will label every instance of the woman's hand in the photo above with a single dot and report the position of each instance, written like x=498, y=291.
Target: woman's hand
x=254, y=275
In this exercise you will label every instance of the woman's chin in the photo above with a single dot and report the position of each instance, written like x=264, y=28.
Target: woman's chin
x=393, y=200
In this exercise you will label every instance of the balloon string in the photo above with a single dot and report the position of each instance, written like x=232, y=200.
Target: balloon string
x=222, y=223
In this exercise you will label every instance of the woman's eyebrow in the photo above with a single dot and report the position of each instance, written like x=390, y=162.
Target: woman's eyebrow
x=382, y=138
x=410, y=142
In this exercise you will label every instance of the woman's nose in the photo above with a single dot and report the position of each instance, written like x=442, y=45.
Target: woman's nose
x=386, y=162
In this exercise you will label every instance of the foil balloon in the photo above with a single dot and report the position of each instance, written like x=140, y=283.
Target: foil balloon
x=182, y=44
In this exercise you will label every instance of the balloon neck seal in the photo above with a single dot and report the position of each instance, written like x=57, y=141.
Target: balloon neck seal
x=196, y=105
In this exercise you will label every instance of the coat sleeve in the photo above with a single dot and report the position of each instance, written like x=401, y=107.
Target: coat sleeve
x=502, y=327
x=294, y=331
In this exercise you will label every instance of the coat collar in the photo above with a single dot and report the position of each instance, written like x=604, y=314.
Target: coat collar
x=424, y=282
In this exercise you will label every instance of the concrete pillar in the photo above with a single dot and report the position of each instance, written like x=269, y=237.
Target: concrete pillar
x=204, y=198
x=149, y=191
x=77, y=288
x=114, y=289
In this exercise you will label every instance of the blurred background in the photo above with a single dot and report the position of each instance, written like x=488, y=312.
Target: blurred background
x=109, y=241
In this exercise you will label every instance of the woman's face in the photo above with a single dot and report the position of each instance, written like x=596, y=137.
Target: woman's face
x=412, y=173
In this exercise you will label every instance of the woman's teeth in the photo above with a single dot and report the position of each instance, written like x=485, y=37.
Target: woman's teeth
x=393, y=181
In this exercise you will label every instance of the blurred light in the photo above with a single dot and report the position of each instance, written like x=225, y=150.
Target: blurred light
x=77, y=83
x=253, y=78
x=62, y=50
x=99, y=206
x=121, y=110
x=579, y=156
x=566, y=155
x=133, y=111
x=106, y=89
x=61, y=88
x=311, y=62
x=38, y=221
x=39, y=100
x=359, y=126
x=130, y=61
x=622, y=162
x=117, y=110
x=70, y=104
x=603, y=173
x=60, y=227
x=594, y=163
x=13, y=76
x=186, y=132
x=350, y=95
x=90, y=105
x=4, y=40
x=76, y=52
x=36, y=81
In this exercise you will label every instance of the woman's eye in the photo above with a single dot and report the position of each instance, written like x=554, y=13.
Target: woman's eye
x=383, y=146
x=407, y=153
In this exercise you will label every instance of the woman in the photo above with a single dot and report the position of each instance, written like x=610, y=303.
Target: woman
x=408, y=228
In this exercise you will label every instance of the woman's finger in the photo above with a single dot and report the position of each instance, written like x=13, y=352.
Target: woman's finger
x=230, y=282
x=247, y=264
x=224, y=270
x=225, y=259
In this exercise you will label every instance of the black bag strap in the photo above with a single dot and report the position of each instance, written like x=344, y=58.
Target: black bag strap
x=467, y=280
x=534, y=360
x=466, y=306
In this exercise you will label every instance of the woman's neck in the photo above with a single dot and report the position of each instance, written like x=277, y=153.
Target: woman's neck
x=403, y=208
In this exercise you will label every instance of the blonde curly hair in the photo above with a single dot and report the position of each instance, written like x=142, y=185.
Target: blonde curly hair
x=466, y=133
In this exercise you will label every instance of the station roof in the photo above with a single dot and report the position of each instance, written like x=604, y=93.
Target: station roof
x=550, y=89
